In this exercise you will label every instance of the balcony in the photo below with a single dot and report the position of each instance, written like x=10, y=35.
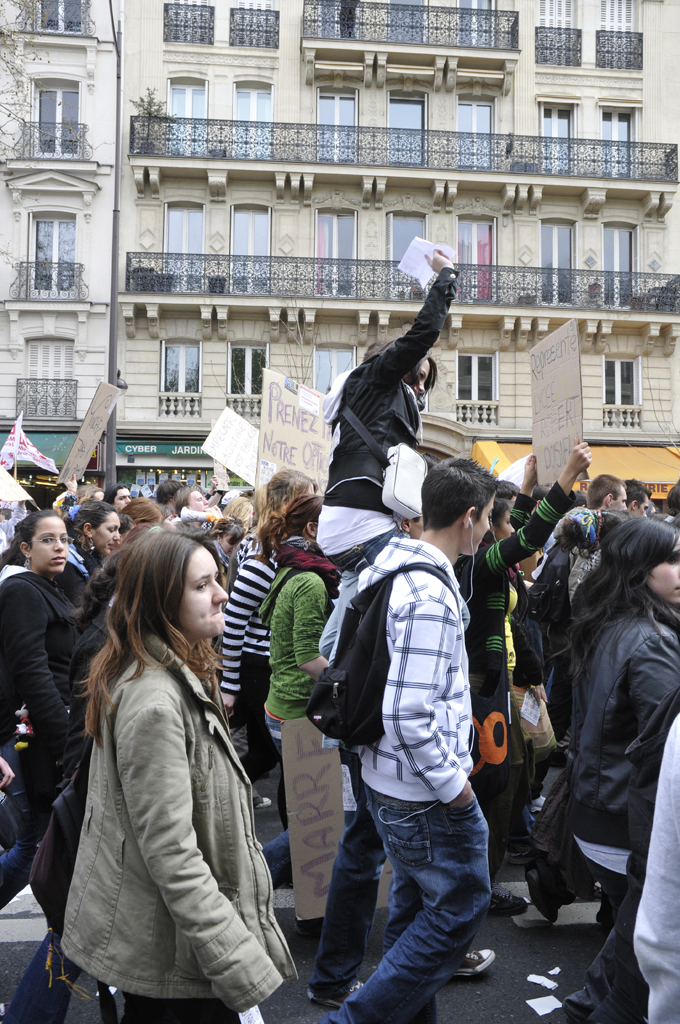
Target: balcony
x=60, y=140
x=55, y=398
x=194, y=138
x=619, y=50
x=311, y=278
x=622, y=417
x=189, y=23
x=57, y=17
x=560, y=46
x=254, y=28
x=477, y=414
x=248, y=406
x=406, y=23
x=175, y=406
x=48, y=281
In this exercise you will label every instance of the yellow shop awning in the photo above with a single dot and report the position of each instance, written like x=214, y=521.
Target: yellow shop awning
x=659, y=467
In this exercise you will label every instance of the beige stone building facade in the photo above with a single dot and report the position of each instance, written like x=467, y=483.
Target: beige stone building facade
x=296, y=147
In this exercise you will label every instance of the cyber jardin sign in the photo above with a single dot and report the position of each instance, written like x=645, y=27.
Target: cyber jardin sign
x=153, y=448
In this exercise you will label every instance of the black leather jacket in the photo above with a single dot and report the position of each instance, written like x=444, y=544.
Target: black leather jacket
x=632, y=671
x=376, y=393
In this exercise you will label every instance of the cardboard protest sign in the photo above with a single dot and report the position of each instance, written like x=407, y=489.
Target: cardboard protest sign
x=233, y=443
x=92, y=427
x=293, y=434
x=219, y=470
x=556, y=399
x=11, y=489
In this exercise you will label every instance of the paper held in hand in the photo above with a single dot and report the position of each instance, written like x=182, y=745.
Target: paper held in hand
x=233, y=443
x=414, y=263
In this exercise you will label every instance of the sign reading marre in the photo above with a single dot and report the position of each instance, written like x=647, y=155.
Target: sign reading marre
x=94, y=422
x=293, y=434
x=556, y=399
x=233, y=442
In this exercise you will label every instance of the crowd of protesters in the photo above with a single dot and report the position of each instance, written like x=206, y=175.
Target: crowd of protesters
x=524, y=630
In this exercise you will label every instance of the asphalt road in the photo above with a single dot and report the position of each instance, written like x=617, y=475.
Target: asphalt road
x=524, y=945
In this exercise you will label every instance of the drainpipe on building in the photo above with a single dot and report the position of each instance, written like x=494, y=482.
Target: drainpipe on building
x=110, y=462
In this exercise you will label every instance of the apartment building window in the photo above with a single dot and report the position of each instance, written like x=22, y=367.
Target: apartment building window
x=406, y=119
x=329, y=363
x=58, y=109
x=254, y=23
x=557, y=243
x=55, y=254
x=556, y=129
x=253, y=103
x=246, y=364
x=476, y=5
x=621, y=380
x=617, y=125
x=187, y=99
x=61, y=16
x=476, y=119
x=401, y=230
x=255, y=5
x=335, y=273
x=250, y=234
x=187, y=132
x=555, y=13
x=619, y=255
x=49, y=359
x=184, y=230
x=475, y=242
x=336, y=116
x=181, y=367
x=616, y=15
x=476, y=377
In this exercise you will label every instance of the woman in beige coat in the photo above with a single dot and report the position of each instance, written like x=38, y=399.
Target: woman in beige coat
x=171, y=899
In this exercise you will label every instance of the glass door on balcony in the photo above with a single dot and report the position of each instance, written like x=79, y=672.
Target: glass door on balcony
x=58, y=120
x=616, y=130
x=474, y=148
x=618, y=249
x=245, y=370
x=329, y=363
x=181, y=368
x=621, y=382
x=556, y=134
x=253, y=139
x=336, y=137
x=188, y=133
x=402, y=228
x=55, y=253
x=475, y=246
x=184, y=239
x=250, y=252
x=51, y=389
x=61, y=16
x=474, y=29
x=556, y=260
x=335, y=271
x=406, y=121
x=407, y=21
x=475, y=378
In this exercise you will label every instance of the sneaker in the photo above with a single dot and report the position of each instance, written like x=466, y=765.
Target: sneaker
x=537, y=804
x=4, y=1010
x=260, y=802
x=475, y=962
x=309, y=928
x=334, y=1002
x=504, y=903
x=540, y=898
x=521, y=853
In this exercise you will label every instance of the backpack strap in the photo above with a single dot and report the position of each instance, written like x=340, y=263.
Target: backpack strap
x=365, y=435
x=428, y=567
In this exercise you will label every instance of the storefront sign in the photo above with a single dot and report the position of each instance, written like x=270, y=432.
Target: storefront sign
x=153, y=448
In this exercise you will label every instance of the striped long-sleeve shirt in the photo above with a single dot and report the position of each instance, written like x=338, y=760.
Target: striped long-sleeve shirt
x=244, y=634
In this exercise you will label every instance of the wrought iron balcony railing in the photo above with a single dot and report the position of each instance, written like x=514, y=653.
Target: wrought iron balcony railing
x=58, y=17
x=311, y=278
x=189, y=23
x=558, y=46
x=254, y=28
x=406, y=23
x=54, y=398
x=48, y=140
x=401, y=147
x=41, y=280
x=619, y=50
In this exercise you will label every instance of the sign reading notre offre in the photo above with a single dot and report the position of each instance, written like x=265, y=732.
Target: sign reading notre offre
x=293, y=434
x=556, y=399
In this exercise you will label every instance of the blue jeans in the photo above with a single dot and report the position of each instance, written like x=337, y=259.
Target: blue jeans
x=16, y=863
x=439, y=897
x=352, y=895
x=35, y=1001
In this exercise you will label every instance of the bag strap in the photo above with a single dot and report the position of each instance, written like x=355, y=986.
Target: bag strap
x=365, y=435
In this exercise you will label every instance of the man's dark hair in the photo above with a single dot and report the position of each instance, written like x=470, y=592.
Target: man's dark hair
x=636, y=491
x=377, y=348
x=579, y=499
x=674, y=500
x=506, y=490
x=540, y=492
x=167, y=490
x=600, y=487
x=451, y=488
x=430, y=460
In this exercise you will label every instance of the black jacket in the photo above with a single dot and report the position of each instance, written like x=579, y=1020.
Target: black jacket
x=376, y=393
x=72, y=581
x=632, y=671
x=37, y=636
x=87, y=645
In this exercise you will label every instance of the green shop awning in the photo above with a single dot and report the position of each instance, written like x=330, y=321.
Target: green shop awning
x=160, y=448
x=54, y=445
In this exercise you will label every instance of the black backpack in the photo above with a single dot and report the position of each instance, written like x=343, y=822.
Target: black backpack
x=549, y=595
x=346, y=702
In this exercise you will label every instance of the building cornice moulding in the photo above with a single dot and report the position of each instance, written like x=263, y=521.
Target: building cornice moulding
x=173, y=57
x=574, y=80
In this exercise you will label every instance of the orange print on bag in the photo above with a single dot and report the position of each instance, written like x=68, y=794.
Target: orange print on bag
x=493, y=740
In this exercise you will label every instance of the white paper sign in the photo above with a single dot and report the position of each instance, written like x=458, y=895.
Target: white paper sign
x=531, y=708
x=414, y=263
x=233, y=442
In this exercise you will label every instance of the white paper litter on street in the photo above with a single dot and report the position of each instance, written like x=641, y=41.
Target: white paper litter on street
x=252, y=1016
x=543, y=1005
x=538, y=979
x=414, y=263
x=555, y=970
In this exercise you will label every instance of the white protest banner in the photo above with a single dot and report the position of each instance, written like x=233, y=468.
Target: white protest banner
x=10, y=489
x=219, y=470
x=293, y=434
x=233, y=442
x=91, y=430
x=9, y=448
x=556, y=399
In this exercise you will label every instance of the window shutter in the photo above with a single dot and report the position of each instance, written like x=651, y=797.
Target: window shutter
x=542, y=12
x=494, y=378
x=257, y=5
x=567, y=13
x=634, y=247
x=389, y=236
x=637, y=381
x=68, y=360
x=33, y=359
x=628, y=16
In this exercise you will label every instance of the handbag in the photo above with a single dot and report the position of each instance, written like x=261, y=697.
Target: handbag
x=541, y=735
x=403, y=471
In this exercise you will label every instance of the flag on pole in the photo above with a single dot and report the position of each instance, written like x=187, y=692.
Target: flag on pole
x=18, y=447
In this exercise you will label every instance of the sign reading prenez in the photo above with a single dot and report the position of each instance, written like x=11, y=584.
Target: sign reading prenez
x=293, y=434
x=556, y=399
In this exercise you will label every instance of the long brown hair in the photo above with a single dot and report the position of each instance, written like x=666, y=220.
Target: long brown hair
x=143, y=510
x=289, y=522
x=151, y=577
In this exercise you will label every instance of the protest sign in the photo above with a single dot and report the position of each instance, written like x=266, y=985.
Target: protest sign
x=233, y=443
x=556, y=399
x=92, y=427
x=10, y=489
x=219, y=470
x=293, y=434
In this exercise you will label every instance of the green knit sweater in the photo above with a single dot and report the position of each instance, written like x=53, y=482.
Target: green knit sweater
x=296, y=615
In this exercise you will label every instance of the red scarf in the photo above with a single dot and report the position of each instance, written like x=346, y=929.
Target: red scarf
x=310, y=559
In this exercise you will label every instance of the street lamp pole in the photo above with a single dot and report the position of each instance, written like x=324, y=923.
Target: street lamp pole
x=110, y=464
